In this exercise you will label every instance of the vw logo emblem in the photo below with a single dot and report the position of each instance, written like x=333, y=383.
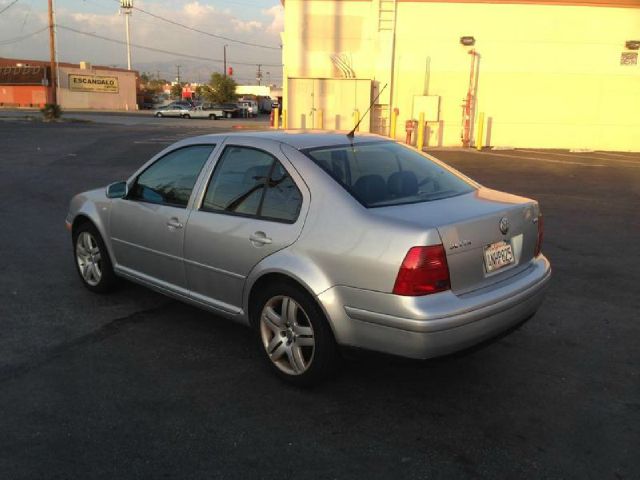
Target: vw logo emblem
x=504, y=225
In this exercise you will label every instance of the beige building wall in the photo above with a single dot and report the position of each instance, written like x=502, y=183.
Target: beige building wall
x=124, y=99
x=550, y=75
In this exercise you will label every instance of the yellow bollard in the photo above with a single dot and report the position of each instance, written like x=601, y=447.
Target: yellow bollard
x=480, y=132
x=420, y=141
x=284, y=119
x=319, y=120
x=356, y=118
x=394, y=119
x=276, y=118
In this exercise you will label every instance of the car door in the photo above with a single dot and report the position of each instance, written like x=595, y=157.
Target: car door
x=253, y=205
x=147, y=226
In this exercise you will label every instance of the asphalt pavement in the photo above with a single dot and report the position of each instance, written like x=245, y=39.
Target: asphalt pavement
x=136, y=385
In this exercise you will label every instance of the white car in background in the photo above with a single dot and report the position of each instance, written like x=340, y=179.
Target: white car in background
x=205, y=111
x=249, y=108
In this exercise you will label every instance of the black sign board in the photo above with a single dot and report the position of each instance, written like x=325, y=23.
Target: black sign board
x=30, y=75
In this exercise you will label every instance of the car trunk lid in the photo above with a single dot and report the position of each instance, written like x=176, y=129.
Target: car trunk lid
x=478, y=252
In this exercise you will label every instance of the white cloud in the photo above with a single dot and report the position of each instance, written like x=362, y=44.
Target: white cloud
x=277, y=23
x=245, y=26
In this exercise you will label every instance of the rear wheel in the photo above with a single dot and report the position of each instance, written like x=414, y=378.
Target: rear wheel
x=294, y=335
x=212, y=117
x=92, y=259
x=159, y=115
x=227, y=114
x=186, y=115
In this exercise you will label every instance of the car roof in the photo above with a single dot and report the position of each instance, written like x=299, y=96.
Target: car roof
x=299, y=139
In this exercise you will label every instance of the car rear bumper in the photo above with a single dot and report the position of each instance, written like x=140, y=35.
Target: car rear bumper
x=434, y=325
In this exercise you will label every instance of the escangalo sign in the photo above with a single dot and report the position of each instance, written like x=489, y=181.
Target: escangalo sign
x=92, y=83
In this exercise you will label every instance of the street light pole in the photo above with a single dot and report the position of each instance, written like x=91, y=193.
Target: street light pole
x=225, y=60
x=126, y=6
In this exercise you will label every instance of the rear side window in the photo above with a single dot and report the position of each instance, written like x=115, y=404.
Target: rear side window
x=253, y=183
x=170, y=180
x=386, y=173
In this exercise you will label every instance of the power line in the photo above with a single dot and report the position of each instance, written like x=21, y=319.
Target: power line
x=9, y=6
x=23, y=37
x=173, y=22
x=159, y=50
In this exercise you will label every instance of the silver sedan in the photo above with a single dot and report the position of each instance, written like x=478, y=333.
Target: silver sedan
x=319, y=240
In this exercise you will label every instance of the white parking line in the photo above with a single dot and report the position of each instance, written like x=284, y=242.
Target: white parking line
x=621, y=155
x=577, y=155
x=538, y=159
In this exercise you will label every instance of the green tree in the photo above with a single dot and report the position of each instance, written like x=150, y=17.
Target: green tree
x=221, y=89
x=176, y=90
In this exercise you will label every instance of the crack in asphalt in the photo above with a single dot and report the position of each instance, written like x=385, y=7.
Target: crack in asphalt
x=115, y=326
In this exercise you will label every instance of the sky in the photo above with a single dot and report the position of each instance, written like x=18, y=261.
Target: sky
x=254, y=21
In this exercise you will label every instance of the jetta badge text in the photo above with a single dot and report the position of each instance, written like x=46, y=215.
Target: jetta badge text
x=460, y=244
x=504, y=225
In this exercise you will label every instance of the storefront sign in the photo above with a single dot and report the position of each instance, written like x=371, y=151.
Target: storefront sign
x=13, y=75
x=93, y=83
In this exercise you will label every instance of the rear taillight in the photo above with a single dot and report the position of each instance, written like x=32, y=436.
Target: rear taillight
x=424, y=270
x=540, y=235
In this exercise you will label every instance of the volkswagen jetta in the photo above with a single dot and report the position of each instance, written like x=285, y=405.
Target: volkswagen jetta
x=319, y=240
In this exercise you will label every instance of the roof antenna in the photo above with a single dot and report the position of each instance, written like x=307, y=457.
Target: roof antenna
x=350, y=134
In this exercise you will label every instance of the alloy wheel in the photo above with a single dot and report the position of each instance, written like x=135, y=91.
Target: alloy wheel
x=287, y=335
x=89, y=258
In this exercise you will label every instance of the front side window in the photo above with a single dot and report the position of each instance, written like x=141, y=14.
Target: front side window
x=251, y=182
x=386, y=173
x=170, y=180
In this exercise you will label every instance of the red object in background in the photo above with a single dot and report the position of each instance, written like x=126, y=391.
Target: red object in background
x=187, y=92
x=230, y=71
x=24, y=95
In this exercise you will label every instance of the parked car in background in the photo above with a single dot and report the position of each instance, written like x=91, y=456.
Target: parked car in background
x=230, y=110
x=318, y=241
x=206, y=111
x=248, y=108
x=173, y=110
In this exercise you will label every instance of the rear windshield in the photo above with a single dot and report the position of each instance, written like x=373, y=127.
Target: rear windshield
x=387, y=173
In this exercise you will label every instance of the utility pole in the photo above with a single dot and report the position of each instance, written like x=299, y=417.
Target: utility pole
x=259, y=75
x=126, y=6
x=52, y=56
x=178, y=73
x=225, y=60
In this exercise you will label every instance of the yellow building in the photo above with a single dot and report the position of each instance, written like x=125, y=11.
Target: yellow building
x=546, y=74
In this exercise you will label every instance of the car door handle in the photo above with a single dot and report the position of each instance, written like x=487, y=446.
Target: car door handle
x=174, y=223
x=260, y=238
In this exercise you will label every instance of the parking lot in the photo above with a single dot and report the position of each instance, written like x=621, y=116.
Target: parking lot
x=136, y=385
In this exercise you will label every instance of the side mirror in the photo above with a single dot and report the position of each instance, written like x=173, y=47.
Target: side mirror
x=117, y=190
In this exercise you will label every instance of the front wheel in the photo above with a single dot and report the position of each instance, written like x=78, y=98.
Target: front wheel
x=228, y=115
x=294, y=335
x=92, y=259
x=186, y=115
x=158, y=115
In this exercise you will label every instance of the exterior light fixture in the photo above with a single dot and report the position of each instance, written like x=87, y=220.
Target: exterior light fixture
x=467, y=41
x=632, y=44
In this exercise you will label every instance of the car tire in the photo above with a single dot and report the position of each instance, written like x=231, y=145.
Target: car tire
x=228, y=115
x=159, y=115
x=293, y=335
x=186, y=115
x=92, y=260
x=212, y=117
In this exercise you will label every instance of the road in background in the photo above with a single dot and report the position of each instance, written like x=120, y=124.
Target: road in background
x=142, y=118
x=136, y=385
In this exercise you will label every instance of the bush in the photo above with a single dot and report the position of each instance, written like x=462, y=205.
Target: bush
x=51, y=111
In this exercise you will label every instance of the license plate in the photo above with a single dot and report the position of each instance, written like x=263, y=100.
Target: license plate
x=497, y=256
